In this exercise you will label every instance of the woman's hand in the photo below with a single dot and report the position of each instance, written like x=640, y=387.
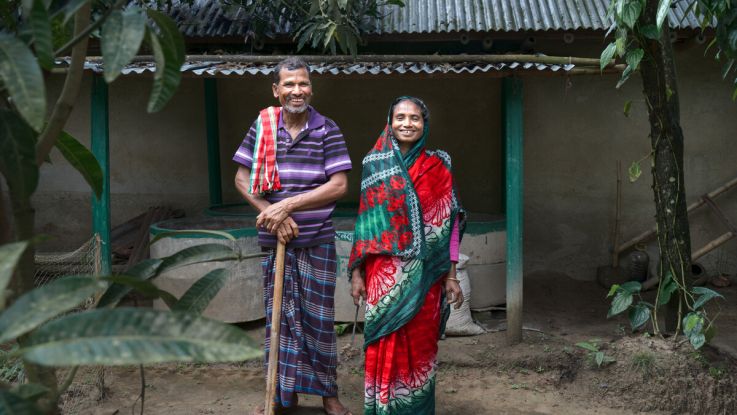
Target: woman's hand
x=453, y=291
x=358, y=287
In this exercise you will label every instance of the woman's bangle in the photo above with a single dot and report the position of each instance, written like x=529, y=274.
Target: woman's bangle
x=452, y=279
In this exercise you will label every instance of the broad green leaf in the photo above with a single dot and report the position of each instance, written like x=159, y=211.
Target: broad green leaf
x=621, y=302
x=18, y=155
x=196, y=299
x=693, y=323
x=663, y=8
x=631, y=286
x=142, y=286
x=706, y=294
x=621, y=41
x=169, y=53
x=634, y=171
x=639, y=315
x=697, y=340
x=142, y=271
x=631, y=12
x=122, y=35
x=22, y=77
x=219, y=234
x=627, y=107
x=619, y=7
x=613, y=290
x=650, y=32
x=667, y=288
x=41, y=27
x=607, y=55
x=12, y=404
x=82, y=160
x=197, y=254
x=168, y=32
x=599, y=357
x=588, y=346
x=634, y=57
x=734, y=94
x=46, y=302
x=9, y=256
x=328, y=36
x=168, y=74
x=625, y=76
x=128, y=336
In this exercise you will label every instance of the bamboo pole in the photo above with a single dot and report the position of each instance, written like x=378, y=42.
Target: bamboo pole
x=618, y=207
x=260, y=59
x=649, y=233
x=272, y=374
x=712, y=245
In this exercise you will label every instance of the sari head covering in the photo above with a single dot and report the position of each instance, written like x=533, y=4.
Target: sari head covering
x=407, y=208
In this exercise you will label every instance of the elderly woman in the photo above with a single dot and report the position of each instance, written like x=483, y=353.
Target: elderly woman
x=403, y=261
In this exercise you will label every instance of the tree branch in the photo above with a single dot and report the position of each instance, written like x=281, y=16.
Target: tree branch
x=69, y=92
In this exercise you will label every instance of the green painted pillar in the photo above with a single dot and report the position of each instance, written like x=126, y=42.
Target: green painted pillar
x=99, y=134
x=213, y=141
x=514, y=172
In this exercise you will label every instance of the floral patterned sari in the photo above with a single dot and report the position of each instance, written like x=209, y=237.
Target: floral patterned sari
x=406, y=213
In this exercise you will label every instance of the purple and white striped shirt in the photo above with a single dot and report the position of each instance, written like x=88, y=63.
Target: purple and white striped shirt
x=318, y=152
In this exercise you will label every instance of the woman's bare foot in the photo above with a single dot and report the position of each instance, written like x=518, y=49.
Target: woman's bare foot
x=332, y=406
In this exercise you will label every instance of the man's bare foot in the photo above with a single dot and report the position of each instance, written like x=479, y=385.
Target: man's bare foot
x=332, y=406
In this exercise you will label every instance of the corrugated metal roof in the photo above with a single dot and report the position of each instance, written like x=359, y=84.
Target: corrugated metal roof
x=437, y=16
x=207, y=18
x=355, y=68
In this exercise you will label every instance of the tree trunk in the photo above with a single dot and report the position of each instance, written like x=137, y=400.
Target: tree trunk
x=23, y=282
x=658, y=71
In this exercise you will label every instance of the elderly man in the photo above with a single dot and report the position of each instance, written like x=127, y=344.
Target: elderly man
x=293, y=165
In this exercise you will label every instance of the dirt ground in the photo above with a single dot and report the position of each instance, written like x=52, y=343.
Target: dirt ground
x=546, y=374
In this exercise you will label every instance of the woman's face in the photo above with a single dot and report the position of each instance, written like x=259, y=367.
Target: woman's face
x=407, y=124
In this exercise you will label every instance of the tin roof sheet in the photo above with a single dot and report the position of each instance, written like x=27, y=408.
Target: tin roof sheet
x=207, y=18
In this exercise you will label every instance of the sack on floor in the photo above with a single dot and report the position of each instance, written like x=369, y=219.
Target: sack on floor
x=460, y=322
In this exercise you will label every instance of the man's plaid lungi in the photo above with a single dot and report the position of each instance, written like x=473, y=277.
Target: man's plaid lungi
x=307, y=348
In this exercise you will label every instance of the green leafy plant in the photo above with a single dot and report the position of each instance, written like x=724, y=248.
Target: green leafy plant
x=696, y=324
x=595, y=354
x=325, y=25
x=641, y=42
x=43, y=327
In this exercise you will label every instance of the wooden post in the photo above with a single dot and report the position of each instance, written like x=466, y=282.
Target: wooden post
x=213, y=141
x=514, y=169
x=99, y=137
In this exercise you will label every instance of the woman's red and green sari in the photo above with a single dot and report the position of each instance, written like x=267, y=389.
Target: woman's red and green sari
x=402, y=236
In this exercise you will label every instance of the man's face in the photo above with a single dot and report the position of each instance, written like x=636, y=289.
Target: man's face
x=294, y=90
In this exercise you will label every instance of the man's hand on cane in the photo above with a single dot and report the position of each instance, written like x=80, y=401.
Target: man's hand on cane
x=273, y=216
x=287, y=231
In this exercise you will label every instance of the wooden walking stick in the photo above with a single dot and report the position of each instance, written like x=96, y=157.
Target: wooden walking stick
x=272, y=373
